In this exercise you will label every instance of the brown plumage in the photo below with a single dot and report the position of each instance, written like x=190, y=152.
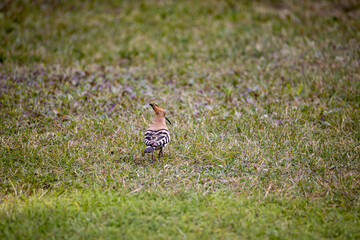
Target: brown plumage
x=157, y=136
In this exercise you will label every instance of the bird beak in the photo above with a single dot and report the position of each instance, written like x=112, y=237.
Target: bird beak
x=167, y=120
x=152, y=105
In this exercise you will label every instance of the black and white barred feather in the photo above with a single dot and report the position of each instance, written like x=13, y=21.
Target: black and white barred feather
x=156, y=139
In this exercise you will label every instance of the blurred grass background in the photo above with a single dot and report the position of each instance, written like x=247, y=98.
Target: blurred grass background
x=264, y=97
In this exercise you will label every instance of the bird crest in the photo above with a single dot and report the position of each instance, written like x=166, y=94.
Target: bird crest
x=159, y=111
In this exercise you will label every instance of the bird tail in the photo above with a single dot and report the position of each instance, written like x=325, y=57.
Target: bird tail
x=149, y=149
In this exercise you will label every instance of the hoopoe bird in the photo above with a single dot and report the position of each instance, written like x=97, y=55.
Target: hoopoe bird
x=157, y=136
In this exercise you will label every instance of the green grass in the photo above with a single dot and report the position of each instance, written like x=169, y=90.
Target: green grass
x=162, y=216
x=264, y=97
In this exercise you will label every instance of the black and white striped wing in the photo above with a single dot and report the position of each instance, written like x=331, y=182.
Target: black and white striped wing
x=157, y=139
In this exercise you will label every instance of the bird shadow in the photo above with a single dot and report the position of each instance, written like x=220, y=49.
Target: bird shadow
x=143, y=160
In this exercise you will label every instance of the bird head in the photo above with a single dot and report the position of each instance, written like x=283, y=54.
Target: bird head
x=159, y=111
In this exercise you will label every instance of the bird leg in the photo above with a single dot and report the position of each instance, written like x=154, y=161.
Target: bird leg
x=161, y=152
x=152, y=156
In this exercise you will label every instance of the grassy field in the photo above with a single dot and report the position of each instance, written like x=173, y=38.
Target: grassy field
x=264, y=97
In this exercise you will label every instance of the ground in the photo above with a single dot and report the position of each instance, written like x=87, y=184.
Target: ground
x=264, y=97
